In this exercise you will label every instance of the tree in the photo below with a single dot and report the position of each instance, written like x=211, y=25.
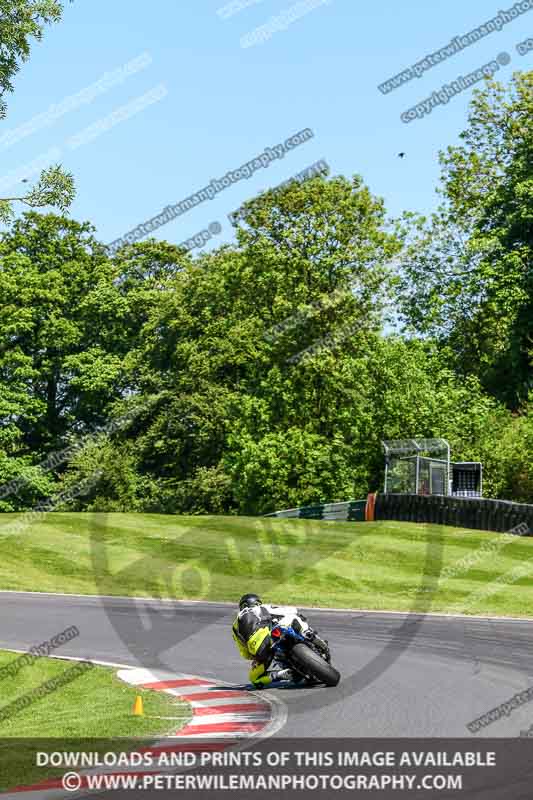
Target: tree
x=260, y=344
x=61, y=352
x=20, y=22
x=70, y=326
x=468, y=274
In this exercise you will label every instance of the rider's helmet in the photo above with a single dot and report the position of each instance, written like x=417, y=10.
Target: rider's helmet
x=249, y=600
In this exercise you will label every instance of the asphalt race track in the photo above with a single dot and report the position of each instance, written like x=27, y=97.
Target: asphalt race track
x=402, y=675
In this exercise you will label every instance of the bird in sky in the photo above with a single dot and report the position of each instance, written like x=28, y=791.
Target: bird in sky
x=401, y=155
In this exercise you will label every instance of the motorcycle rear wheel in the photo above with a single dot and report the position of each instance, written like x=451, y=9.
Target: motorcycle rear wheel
x=313, y=666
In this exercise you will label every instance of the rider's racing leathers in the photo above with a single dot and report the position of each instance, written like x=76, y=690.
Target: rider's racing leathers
x=251, y=632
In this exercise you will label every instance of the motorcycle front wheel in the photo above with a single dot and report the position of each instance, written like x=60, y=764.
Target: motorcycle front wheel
x=312, y=665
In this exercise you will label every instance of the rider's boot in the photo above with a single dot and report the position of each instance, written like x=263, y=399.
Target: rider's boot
x=282, y=675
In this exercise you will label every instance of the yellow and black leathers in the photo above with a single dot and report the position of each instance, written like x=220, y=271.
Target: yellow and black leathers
x=251, y=632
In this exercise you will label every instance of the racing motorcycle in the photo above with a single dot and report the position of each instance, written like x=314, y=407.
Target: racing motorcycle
x=309, y=659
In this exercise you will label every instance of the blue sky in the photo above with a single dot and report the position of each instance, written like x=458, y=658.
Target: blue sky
x=216, y=104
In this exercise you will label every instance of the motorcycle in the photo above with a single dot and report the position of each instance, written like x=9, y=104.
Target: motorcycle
x=308, y=658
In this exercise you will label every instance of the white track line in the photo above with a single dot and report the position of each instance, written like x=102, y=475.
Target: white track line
x=323, y=609
x=73, y=658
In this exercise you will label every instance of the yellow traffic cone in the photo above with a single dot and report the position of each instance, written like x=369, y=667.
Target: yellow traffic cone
x=138, y=710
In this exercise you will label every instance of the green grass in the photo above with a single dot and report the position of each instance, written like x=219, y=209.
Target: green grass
x=381, y=565
x=95, y=706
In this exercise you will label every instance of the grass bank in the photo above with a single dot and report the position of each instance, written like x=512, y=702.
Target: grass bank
x=381, y=565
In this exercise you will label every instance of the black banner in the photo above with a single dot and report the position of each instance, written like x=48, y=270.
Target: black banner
x=461, y=512
x=480, y=769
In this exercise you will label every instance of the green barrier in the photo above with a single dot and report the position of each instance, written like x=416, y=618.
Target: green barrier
x=356, y=511
x=350, y=510
x=311, y=512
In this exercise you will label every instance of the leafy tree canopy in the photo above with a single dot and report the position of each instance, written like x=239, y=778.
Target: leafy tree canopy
x=468, y=272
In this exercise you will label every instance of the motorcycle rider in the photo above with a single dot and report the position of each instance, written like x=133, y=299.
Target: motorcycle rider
x=251, y=633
